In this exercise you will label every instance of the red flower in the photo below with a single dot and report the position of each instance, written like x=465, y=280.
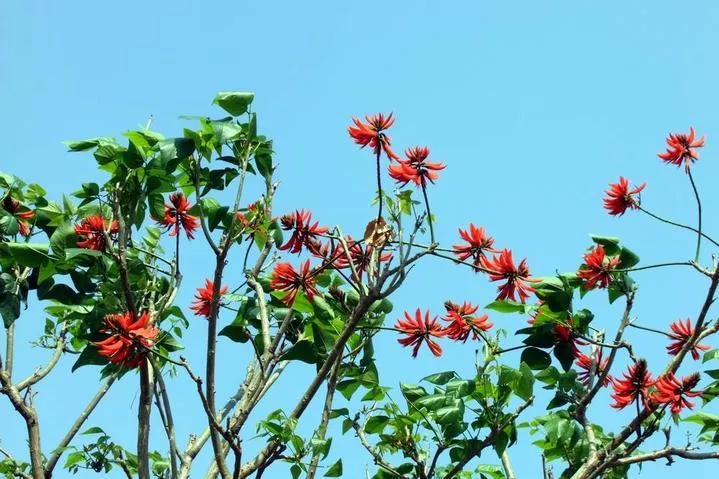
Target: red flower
x=286, y=278
x=670, y=391
x=127, y=340
x=203, y=299
x=253, y=217
x=414, y=168
x=372, y=134
x=92, y=230
x=681, y=332
x=360, y=254
x=620, y=198
x=586, y=363
x=13, y=207
x=418, y=330
x=176, y=216
x=681, y=149
x=597, y=268
x=303, y=230
x=501, y=267
x=462, y=322
x=478, y=242
x=637, y=380
x=565, y=334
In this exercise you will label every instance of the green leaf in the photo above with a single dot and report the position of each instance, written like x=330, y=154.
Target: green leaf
x=303, y=350
x=29, y=254
x=376, y=424
x=234, y=102
x=62, y=238
x=441, y=378
x=173, y=148
x=93, y=430
x=84, y=145
x=335, y=470
x=505, y=306
x=450, y=414
x=89, y=356
x=535, y=358
x=524, y=387
x=9, y=308
x=610, y=243
x=709, y=355
x=627, y=258
x=157, y=206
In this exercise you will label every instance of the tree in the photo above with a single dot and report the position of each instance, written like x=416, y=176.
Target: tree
x=102, y=269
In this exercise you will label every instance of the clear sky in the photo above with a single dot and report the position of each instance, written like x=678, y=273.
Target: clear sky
x=534, y=106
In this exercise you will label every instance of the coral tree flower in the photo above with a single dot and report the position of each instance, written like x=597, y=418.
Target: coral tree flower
x=372, y=134
x=462, y=321
x=565, y=334
x=415, y=168
x=670, y=391
x=253, y=217
x=176, y=216
x=597, y=268
x=478, y=244
x=128, y=339
x=587, y=363
x=203, y=299
x=681, y=332
x=286, y=278
x=303, y=230
x=336, y=257
x=681, y=148
x=92, y=230
x=619, y=197
x=418, y=330
x=12, y=206
x=633, y=386
x=501, y=267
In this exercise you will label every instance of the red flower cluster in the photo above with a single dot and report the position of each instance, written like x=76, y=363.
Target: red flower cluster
x=681, y=148
x=681, y=333
x=335, y=257
x=415, y=168
x=478, y=243
x=501, y=267
x=176, y=216
x=92, y=231
x=286, y=278
x=203, y=299
x=13, y=207
x=128, y=339
x=566, y=334
x=303, y=230
x=674, y=393
x=597, y=268
x=633, y=387
x=255, y=215
x=620, y=198
x=372, y=134
x=462, y=321
x=418, y=330
x=587, y=363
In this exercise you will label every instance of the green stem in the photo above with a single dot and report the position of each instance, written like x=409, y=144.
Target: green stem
x=379, y=184
x=653, y=266
x=679, y=225
x=650, y=329
x=699, y=210
x=429, y=213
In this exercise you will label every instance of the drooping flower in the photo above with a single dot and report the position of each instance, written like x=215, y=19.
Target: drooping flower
x=681, y=148
x=128, y=340
x=92, y=231
x=501, y=267
x=463, y=322
x=589, y=363
x=372, y=134
x=633, y=387
x=619, y=198
x=566, y=334
x=12, y=206
x=681, y=333
x=597, y=268
x=176, y=216
x=286, y=278
x=418, y=330
x=670, y=391
x=303, y=230
x=415, y=168
x=253, y=217
x=203, y=299
x=478, y=243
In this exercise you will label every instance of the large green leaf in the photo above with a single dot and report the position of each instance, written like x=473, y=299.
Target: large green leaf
x=234, y=102
x=29, y=254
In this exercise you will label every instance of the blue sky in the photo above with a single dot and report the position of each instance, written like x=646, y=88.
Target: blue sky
x=534, y=106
